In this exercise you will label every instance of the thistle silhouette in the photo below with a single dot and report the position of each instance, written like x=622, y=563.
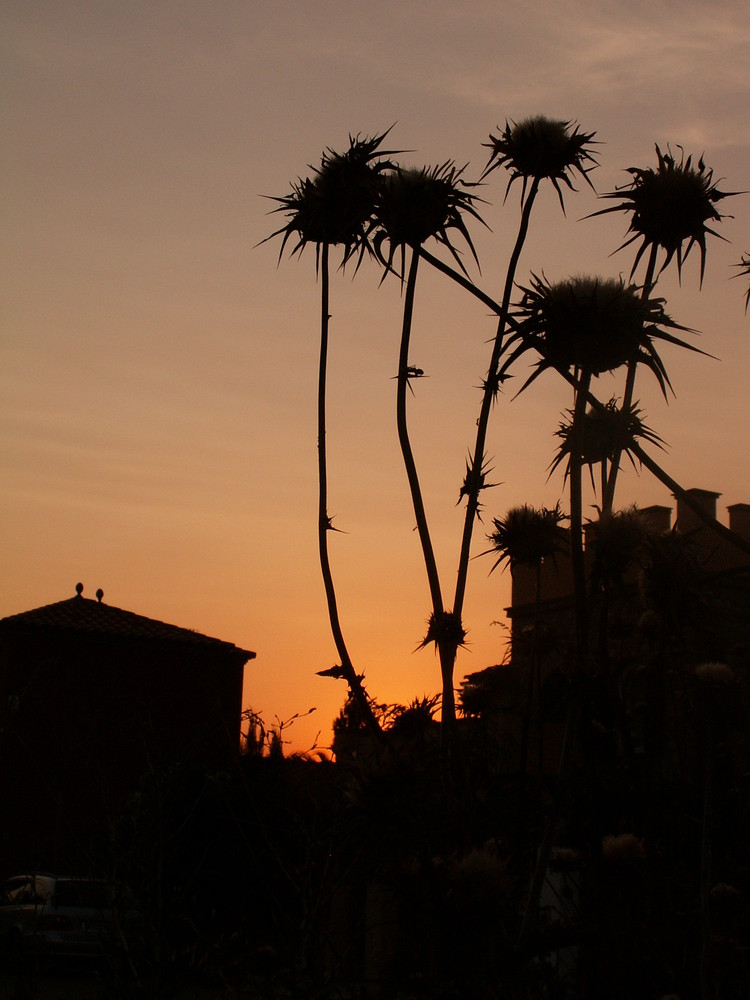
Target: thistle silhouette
x=542, y=148
x=670, y=206
x=744, y=266
x=602, y=434
x=593, y=324
x=414, y=206
x=334, y=207
x=533, y=150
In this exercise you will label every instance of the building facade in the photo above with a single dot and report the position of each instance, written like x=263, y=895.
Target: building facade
x=92, y=699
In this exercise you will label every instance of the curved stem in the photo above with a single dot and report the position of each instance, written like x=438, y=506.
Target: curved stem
x=460, y=279
x=403, y=438
x=446, y=648
x=531, y=681
x=678, y=491
x=474, y=478
x=490, y=388
x=576, y=520
x=324, y=524
x=608, y=498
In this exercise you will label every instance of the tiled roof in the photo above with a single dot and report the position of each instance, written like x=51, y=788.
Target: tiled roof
x=79, y=614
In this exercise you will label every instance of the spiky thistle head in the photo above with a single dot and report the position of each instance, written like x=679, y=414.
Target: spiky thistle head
x=671, y=208
x=475, y=481
x=744, y=271
x=527, y=535
x=541, y=148
x=444, y=629
x=616, y=540
x=415, y=204
x=590, y=323
x=335, y=205
x=601, y=434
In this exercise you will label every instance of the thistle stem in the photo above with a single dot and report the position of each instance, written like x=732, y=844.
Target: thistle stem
x=678, y=491
x=447, y=656
x=461, y=280
x=576, y=519
x=490, y=389
x=324, y=524
x=608, y=497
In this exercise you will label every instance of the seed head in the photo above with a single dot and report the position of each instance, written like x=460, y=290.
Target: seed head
x=542, y=148
x=417, y=204
x=595, y=324
x=671, y=208
x=445, y=627
x=335, y=205
x=527, y=535
x=602, y=433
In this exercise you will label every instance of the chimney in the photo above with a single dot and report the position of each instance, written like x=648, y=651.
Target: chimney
x=739, y=519
x=687, y=520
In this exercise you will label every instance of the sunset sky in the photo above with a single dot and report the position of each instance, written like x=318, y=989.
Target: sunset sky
x=158, y=370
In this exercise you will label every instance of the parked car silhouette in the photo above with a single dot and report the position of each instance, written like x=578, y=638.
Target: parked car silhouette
x=51, y=916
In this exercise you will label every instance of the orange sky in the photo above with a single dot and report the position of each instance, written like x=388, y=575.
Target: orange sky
x=158, y=374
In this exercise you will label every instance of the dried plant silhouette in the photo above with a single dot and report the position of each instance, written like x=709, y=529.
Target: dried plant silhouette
x=744, y=266
x=580, y=328
x=415, y=205
x=587, y=326
x=671, y=208
x=334, y=207
x=592, y=778
x=530, y=537
x=534, y=150
x=599, y=436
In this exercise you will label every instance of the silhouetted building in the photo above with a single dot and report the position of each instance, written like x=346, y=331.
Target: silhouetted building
x=697, y=596
x=714, y=553
x=92, y=698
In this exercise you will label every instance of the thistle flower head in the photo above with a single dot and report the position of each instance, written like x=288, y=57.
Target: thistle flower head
x=594, y=324
x=542, y=148
x=616, y=541
x=444, y=628
x=527, y=535
x=671, y=208
x=417, y=204
x=601, y=434
x=335, y=205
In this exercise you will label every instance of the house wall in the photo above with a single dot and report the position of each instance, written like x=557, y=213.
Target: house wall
x=85, y=718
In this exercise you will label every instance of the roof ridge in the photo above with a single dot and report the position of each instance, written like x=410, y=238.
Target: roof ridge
x=82, y=614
